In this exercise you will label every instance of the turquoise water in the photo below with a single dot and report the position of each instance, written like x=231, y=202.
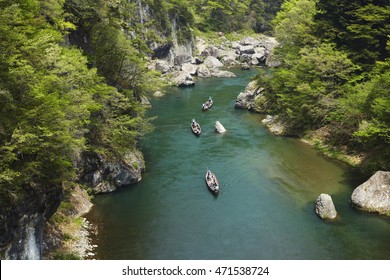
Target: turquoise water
x=265, y=209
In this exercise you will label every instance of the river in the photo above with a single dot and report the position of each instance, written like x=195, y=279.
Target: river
x=265, y=209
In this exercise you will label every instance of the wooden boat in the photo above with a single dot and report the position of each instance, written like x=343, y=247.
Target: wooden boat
x=195, y=127
x=207, y=105
x=212, y=182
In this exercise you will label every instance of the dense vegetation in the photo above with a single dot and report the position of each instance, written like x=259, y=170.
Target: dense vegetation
x=56, y=102
x=72, y=74
x=335, y=74
x=236, y=15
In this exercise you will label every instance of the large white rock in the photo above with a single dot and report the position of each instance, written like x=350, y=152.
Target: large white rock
x=324, y=207
x=258, y=58
x=247, y=49
x=219, y=127
x=212, y=62
x=203, y=71
x=374, y=194
x=190, y=68
x=184, y=79
x=222, y=74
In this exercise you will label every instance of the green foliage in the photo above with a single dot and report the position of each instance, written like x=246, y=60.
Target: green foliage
x=327, y=49
x=229, y=16
x=54, y=105
x=376, y=129
x=118, y=124
x=361, y=27
x=261, y=13
x=304, y=92
x=293, y=27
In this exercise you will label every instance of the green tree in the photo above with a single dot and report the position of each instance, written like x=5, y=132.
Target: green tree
x=306, y=89
x=293, y=27
x=374, y=131
x=45, y=98
x=54, y=106
x=359, y=26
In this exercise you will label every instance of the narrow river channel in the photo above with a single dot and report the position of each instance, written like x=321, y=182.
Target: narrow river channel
x=265, y=209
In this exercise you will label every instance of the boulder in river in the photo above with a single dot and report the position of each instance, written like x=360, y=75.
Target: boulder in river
x=222, y=74
x=324, y=207
x=219, y=127
x=212, y=62
x=374, y=194
x=158, y=94
x=183, y=79
x=246, y=98
x=190, y=68
x=203, y=71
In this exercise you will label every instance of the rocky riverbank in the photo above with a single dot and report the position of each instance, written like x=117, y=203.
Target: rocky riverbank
x=67, y=234
x=210, y=59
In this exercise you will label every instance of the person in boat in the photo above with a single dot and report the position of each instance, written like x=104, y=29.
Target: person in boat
x=195, y=124
x=210, y=177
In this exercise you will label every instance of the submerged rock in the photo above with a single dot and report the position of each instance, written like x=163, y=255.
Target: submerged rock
x=374, y=194
x=324, y=207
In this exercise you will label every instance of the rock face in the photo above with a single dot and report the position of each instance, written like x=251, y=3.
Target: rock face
x=22, y=225
x=324, y=207
x=374, y=194
x=105, y=175
x=162, y=66
x=180, y=63
x=247, y=98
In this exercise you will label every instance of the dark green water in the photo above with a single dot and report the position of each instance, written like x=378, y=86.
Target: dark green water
x=265, y=209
